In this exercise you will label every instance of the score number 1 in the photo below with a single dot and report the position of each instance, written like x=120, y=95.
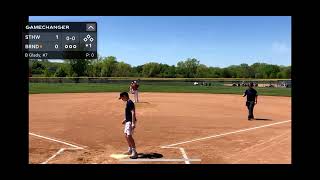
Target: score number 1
x=56, y=46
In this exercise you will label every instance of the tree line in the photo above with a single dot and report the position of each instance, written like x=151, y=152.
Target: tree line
x=189, y=68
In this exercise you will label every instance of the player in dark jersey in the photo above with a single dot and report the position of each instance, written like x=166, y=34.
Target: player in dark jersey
x=252, y=99
x=130, y=124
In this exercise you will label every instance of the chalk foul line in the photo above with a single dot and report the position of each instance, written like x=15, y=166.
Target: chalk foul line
x=74, y=147
x=214, y=136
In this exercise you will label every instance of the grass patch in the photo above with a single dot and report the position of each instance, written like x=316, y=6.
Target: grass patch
x=37, y=88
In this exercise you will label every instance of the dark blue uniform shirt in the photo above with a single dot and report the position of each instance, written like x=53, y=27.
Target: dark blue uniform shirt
x=129, y=108
x=251, y=94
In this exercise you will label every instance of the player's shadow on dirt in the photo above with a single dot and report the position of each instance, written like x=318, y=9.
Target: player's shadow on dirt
x=262, y=119
x=150, y=155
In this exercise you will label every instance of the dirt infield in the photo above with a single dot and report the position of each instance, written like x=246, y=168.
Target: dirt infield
x=178, y=128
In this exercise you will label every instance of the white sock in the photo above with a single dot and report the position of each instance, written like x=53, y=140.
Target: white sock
x=129, y=149
x=134, y=150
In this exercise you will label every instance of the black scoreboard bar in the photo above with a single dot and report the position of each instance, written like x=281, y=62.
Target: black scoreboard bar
x=60, y=40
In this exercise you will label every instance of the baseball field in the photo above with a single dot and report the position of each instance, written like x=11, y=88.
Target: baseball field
x=80, y=123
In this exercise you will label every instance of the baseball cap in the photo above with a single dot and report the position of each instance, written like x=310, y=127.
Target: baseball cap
x=123, y=94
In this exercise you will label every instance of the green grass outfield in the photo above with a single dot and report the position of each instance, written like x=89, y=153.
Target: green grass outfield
x=160, y=79
x=37, y=88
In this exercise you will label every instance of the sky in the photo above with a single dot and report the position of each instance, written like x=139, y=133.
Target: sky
x=217, y=41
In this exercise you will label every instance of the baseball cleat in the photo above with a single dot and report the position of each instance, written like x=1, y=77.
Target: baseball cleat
x=134, y=155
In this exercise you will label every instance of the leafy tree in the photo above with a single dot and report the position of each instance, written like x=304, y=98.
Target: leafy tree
x=188, y=68
x=109, y=65
x=202, y=71
x=151, y=69
x=215, y=72
x=171, y=72
x=122, y=70
x=47, y=73
x=37, y=67
x=61, y=72
x=225, y=73
x=78, y=67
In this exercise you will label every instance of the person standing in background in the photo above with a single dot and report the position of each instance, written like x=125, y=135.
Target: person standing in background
x=252, y=100
x=135, y=91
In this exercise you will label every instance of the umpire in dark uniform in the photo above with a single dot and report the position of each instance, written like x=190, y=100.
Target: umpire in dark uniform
x=252, y=99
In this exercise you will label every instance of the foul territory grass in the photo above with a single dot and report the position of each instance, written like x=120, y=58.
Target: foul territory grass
x=37, y=88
